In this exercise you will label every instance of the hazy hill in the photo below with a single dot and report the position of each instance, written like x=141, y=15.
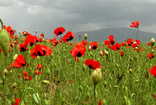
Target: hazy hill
x=120, y=34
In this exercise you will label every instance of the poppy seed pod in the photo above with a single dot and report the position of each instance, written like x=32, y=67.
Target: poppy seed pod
x=96, y=76
x=4, y=40
x=152, y=41
x=85, y=36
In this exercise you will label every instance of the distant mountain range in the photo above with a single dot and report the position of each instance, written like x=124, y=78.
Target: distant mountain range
x=120, y=34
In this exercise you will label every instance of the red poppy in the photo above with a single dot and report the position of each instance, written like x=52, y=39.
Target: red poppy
x=0, y=50
x=19, y=62
x=11, y=44
x=130, y=41
x=71, y=81
x=148, y=44
x=107, y=42
x=93, y=64
x=22, y=47
x=111, y=39
x=10, y=66
x=39, y=39
x=39, y=66
x=78, y=51
x=121, y=53
x=24, y=33
x=76, y=59
x=136, y=43
x=69, y=36
x=10, y=31
x=59, y=31
x=123, y=44
x=100, y=103
x=138, y=49
x=55, y=42
x=70, y=44
x=38, y=72
x=85, y=42
x=60, y=40
x=42, y=35
x=150, y=55
x=153, y=71
x=40, y=50
x=26, y=76
x=25, y=73
x=17, y=101
x=93, y=45
x=30, y=40
x=115, y=47
x=135, y=24
x=50, y=40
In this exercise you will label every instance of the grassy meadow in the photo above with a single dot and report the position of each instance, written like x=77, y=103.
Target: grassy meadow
x=126, y=79
x=37, y=71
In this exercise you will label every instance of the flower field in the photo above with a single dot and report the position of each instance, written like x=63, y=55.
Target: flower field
x=38, y=71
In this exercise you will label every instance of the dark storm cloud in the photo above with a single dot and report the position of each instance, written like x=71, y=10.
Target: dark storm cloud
x=77, y=15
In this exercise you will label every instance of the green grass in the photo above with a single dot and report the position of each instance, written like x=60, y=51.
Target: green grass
x=118, y=86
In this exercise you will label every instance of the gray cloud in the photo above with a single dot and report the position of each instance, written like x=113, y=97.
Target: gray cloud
x=77, y=15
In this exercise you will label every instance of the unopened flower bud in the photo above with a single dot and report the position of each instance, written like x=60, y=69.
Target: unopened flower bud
x=152, y=41
x=85, y=36
x=36, y=31
x=15, y=56
x=106, y=52
x=96, y=76
x=45, y=82
x=5, y=72
x=14, y=85
x=101, y=53
x=4, y=40
x=135, y=43
x=130, y=70
x=136, y=48
x=90, y=47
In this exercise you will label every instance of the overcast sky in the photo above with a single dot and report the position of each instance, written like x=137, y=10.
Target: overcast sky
x=77, y=15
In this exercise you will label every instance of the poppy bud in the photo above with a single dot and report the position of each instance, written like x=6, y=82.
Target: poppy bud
x=46, y=102
x=152, y=41
x=15, y=56
x=106, y=52
x=5, y=72
x=101, y=53
x=136, y=48
x=14, y=85
x=4, y=40
x=152, y=51
x=85, y=36
x=134, y=42
x=36, y=97
x=36, y=31
x=45, y=82
x=130, y=70
x=96, y=76
x=90, y=47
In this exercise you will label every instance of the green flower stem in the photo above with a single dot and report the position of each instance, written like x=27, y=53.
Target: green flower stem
x=137, y=33
x=95, y=95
